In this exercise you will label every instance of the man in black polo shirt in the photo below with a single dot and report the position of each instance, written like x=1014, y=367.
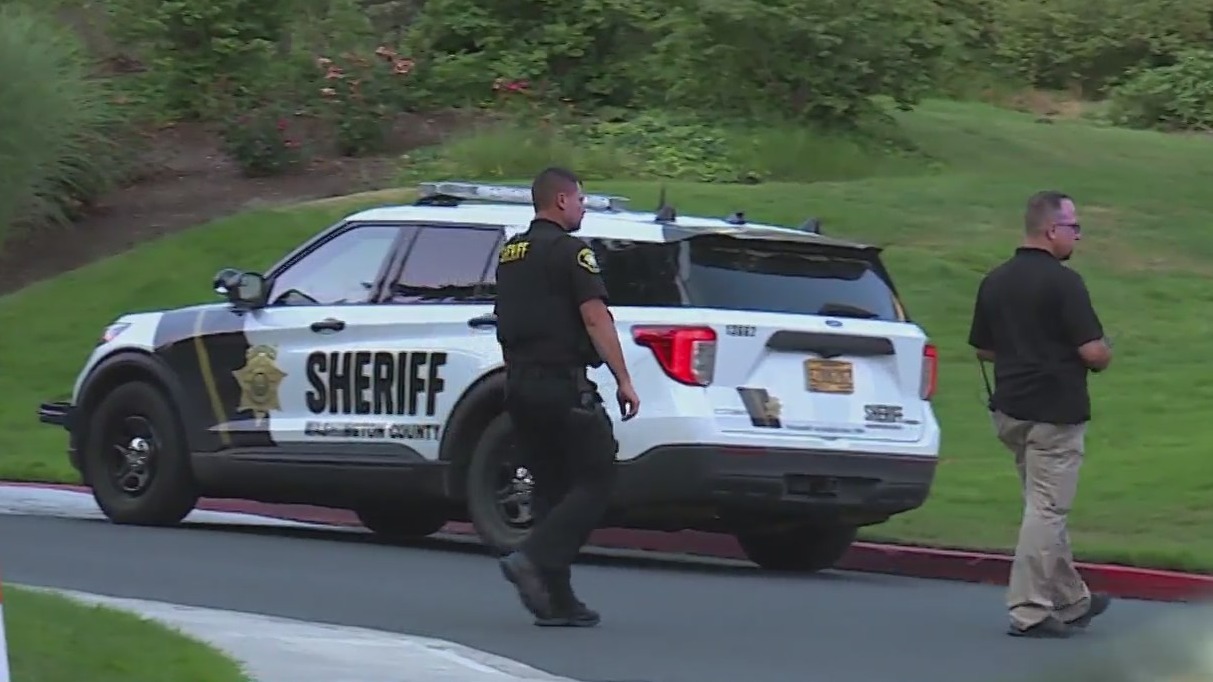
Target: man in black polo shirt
x=553, y=322
x=1034, y=320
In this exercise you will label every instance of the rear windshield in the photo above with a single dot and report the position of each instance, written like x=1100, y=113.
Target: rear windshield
x=746, y=275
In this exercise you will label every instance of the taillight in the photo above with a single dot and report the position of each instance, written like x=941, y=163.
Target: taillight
x=930, y=371
x=686, y=354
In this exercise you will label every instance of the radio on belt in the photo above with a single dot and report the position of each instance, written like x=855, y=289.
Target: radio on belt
x=508, y=194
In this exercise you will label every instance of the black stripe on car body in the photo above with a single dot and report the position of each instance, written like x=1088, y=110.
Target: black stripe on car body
x=204, y=346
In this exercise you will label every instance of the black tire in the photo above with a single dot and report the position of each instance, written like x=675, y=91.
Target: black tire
x=494, y=458
x=165, y=493
x=402, y=524
x=805, y=549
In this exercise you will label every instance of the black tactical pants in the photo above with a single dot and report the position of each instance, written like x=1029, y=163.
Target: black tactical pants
x=568, y=443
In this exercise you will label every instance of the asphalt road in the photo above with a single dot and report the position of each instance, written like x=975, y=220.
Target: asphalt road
x=669, y=622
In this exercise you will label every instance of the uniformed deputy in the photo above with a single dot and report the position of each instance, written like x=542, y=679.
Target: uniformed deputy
x=1033, y=319
x=552, y=322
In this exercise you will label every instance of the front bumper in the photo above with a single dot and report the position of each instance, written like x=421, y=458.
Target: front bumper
x=58, y=413
x=64, y=415
x=783, y=482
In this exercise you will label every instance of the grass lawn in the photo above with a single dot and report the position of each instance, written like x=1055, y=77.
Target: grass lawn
x=54, y=639
x=1144, y=202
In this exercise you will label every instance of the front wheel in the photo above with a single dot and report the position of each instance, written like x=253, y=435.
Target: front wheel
x=802, y=548
x=499, y=488
x=135, y=458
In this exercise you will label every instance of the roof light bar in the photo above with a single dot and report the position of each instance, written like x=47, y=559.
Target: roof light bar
x=508, y=194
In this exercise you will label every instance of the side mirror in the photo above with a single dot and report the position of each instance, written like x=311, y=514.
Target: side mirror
x=242, y=289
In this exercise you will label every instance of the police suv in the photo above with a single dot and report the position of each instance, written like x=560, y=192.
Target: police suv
x=786, y=395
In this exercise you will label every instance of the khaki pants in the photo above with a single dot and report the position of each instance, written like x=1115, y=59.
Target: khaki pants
x=1044, y=581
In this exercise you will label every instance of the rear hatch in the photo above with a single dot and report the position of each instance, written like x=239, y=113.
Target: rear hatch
x=793, y=338
x=854, y=380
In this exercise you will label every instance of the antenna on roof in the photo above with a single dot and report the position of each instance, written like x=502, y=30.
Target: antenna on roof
x=737, y=218
x=665, y=212
x=812, y=225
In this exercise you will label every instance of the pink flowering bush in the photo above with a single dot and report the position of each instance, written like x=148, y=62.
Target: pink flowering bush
x=361, y=95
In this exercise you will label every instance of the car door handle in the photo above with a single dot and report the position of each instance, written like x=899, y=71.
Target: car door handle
x=328, y=325
x=489, y=320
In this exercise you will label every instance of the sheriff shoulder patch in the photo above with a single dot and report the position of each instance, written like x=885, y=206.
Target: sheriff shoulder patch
x=587, y=260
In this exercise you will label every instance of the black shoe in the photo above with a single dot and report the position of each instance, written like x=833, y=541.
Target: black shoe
x=578, y=616
x=567, y=609
x=526, y=578
x=1099, y=603
x=1049, y=628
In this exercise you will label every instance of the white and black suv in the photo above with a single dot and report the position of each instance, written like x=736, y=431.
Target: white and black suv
x=786, y=395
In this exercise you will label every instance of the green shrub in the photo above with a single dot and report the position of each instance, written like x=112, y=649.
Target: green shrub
x=784, y=59
x=792, y=59
x=330, y=26
x=360, y=94
x=592, y=52
x=664, y=145
x=1091, y=44
x=1176, y=97
x=60, y=146
x=203, y=52
x=261, y=141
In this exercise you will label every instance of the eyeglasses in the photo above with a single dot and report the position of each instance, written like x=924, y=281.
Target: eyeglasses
x=1073, y=226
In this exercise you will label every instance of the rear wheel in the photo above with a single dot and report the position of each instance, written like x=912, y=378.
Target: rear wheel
x=802, y=548
x=499, y=488
x=402, y=523
x=135, y=458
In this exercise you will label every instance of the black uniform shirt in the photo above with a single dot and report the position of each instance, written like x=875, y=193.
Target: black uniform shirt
x=543, y=277
x=1033, y=312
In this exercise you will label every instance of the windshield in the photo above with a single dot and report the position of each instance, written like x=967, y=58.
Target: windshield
x=745, y=275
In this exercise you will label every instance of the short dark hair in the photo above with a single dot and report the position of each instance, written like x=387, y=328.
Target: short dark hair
x=550, y=182
x=1041, y=209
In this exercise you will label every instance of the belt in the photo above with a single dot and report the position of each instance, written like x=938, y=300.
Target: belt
x=575, y=372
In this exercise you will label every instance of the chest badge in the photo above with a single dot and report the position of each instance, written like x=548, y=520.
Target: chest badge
x=259, y=380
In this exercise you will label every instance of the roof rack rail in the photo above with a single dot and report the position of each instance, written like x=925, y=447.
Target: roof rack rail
x=812, y=225
x=452, y=193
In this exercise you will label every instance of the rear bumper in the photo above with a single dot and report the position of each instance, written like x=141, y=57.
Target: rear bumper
x=851, y=487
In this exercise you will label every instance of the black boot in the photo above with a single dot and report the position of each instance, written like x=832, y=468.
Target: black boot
x=567, y=609
x=530, y=583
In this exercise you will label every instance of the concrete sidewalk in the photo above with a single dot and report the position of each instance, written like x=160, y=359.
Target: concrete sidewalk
x=283, y=650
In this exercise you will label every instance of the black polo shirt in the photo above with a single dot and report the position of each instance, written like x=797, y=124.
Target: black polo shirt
x=1033, y=312
x=543, y=277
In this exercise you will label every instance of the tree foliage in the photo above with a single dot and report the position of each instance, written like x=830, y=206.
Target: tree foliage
x=200, y=48
x=819, y=61
x=1090, y=45
x=1174, y=97
x=816, y=62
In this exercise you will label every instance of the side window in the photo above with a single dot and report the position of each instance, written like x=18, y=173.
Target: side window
x=339, y=271
x=447, y=256
x=640, y=273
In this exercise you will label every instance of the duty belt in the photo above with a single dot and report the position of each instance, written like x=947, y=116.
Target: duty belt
x=578, y=374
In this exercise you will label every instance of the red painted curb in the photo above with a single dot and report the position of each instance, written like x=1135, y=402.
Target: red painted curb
x=919, y=562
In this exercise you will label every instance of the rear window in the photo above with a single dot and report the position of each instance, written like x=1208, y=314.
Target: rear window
x=747, y=275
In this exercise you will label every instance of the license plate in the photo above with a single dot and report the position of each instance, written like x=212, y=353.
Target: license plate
x=829, y=376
